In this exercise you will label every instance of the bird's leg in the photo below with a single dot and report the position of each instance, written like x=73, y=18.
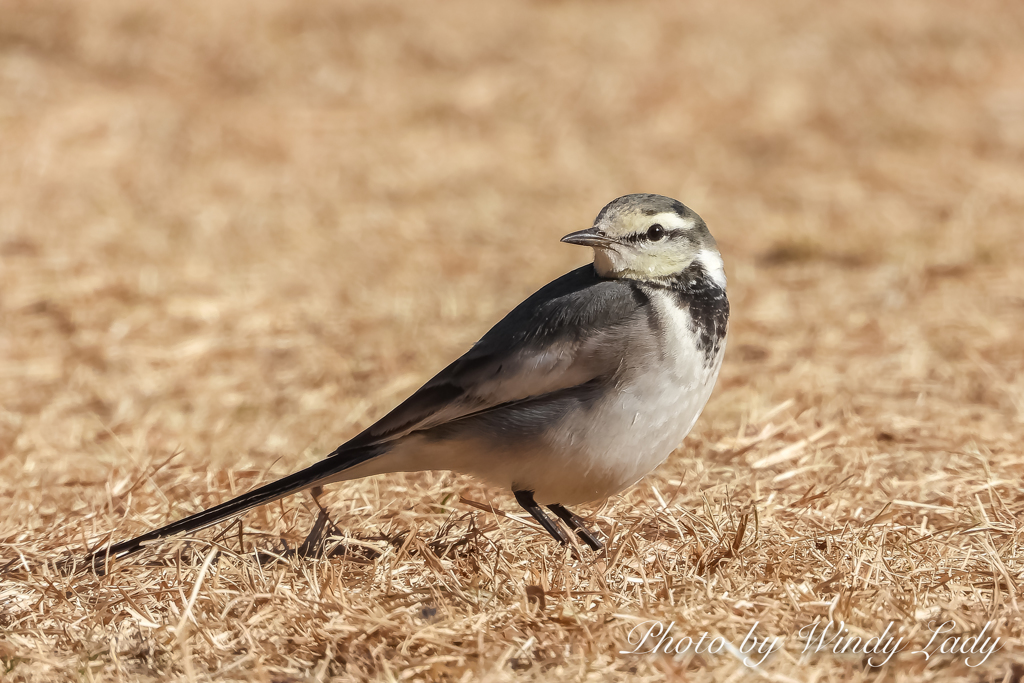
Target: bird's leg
x=525, y=499
x=313, y=546
x=574, y=522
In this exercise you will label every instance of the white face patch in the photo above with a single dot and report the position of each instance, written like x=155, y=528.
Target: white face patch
x=608, y=262
x=712, y=262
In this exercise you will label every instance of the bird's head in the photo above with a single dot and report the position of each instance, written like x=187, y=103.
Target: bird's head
x=647, y=237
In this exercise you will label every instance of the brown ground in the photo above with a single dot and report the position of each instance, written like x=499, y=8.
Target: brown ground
x=232, y=234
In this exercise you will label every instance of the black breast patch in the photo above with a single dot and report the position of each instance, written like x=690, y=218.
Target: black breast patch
x=708, y=305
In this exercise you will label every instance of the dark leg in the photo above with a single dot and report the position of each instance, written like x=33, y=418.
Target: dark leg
x=313, y=546
x=525, y=499
x=574, y=522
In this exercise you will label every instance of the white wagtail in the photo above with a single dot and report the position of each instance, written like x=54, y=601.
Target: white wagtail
x=576, y=394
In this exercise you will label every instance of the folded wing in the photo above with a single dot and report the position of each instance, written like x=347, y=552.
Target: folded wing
x=569, y=333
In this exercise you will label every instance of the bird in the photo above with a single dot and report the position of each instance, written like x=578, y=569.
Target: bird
x=578, y=393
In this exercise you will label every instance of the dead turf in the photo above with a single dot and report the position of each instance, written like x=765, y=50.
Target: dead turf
x=232, y=234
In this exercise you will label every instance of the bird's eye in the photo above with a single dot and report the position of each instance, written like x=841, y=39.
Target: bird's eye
x=655, y=232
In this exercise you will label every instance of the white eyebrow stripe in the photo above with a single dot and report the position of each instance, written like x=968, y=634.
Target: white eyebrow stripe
x=672, y=221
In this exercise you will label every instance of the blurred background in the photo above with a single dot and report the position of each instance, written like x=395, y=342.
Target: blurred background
x=240, y=232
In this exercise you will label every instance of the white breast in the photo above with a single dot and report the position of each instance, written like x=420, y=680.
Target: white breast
x=654, y=405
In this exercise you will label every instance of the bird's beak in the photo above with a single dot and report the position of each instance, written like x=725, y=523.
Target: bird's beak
x=591, y=237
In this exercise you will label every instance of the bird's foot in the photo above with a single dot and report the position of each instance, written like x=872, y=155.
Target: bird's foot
x=525, y=499
x=316, y=540
x=574, y=522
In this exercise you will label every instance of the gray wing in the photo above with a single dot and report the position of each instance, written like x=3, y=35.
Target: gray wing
x=569, y=333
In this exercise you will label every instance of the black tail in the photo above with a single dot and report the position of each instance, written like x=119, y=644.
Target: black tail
x=336, y=462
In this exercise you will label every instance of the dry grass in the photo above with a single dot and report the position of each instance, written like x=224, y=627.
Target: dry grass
x=234, y=233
